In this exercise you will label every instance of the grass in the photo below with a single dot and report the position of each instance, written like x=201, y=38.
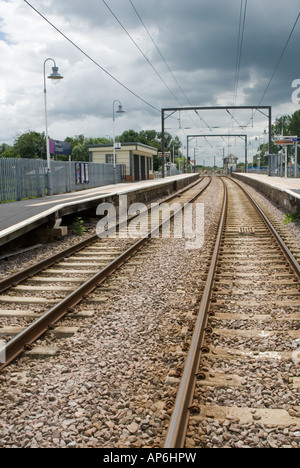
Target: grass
x=290, y=218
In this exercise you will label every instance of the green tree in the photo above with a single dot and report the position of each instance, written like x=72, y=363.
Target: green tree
x=129, y=136
x=294, y=126
x=7, y=151
x=79, y=146
x=263, y=150
x=281, y=126
x=76, y=140
x=80, y=153
x=149, y=137
x=152, y=138
x=30, y=145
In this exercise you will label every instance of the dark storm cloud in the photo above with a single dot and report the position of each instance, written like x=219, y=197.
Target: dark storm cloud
x=198, y=36
x=198, y=39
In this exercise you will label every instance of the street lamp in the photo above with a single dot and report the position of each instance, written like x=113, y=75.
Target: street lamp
x=54, y=76
x=119, y=111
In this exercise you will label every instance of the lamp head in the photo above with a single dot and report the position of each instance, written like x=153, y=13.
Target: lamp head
x=55, y=75
x=120, y=110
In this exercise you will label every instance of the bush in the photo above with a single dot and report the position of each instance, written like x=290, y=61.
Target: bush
x=78, y=227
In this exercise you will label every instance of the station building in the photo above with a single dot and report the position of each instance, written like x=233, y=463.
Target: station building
x=137, y=158
x=230, y=164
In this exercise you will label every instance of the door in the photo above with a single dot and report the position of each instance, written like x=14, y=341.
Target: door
x=136, y=167
x=143, y=167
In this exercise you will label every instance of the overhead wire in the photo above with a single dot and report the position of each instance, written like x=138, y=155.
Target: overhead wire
x=159, y=51
x=92, y=60
x=166, y=63
x=141, y=51
x=240, y=41
x=242, y=22
x=276, y=67
x=280, y=58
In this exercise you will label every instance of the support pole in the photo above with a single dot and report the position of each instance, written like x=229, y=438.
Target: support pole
x=163, y=142
x=296, y=160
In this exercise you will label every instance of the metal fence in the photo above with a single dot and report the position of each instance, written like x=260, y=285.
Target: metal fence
x=27, y=178
x=277, y=172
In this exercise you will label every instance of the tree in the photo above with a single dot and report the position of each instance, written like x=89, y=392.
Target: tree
x=263, y=150
x=294, y=126
x=7, y=151
x=76, y=140
x=30, y=145
x=80, y=153
x=129, y=136
x=282, y=126
x=79, y=146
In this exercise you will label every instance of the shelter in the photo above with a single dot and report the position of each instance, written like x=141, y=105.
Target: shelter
x=137, y=157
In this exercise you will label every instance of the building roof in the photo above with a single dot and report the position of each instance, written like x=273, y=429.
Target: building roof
x=230, y=157
x=136, y=144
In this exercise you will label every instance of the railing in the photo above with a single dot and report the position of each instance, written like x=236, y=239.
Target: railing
x=27, y=178
x=278, y=172
x=21, y=178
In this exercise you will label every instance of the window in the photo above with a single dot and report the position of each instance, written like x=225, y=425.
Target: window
x=109, y=159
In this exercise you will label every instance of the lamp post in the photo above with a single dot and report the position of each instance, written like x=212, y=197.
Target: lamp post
x=119, y=111
x=54, y=76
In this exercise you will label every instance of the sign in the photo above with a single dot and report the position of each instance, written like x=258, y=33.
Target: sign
x=284, y=142
x=60, y=147
x=82, y=173
x=118, y=146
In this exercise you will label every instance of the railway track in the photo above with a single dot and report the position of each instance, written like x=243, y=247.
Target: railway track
x=241, y=382
x=34, y=300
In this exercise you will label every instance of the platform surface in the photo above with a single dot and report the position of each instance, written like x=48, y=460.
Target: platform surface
x=17, y=215
x=283, y=184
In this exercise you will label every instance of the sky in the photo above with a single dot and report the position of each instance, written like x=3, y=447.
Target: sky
x=149, y=55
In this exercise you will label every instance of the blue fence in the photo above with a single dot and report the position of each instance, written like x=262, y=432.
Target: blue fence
x=27, y=178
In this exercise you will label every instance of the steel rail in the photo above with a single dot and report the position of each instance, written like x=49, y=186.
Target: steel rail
x=288, y=254
x=22, y=275
x=16, y=346
x=179, y=421
x=178, y=425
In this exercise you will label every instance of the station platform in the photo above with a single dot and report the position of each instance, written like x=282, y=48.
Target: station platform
x=19, y=218
x=285, y=192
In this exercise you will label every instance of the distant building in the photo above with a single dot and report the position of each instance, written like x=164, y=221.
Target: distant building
x=230, y=164
x=137, y=158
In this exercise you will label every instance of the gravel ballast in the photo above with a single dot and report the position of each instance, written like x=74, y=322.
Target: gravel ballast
x=107, y=387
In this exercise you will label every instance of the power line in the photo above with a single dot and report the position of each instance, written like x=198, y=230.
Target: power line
x=138, y=47
x=160, y=53
x=242, y=21
x=280, y=58
x=239, y=48
x=277, y=66
x=164, y=60
x=92, y=60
